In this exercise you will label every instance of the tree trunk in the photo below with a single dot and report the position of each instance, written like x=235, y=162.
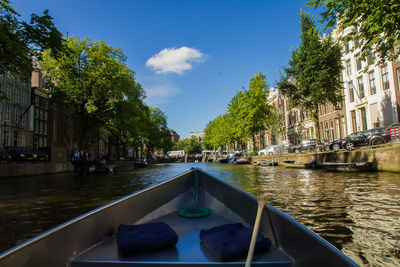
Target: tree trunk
x=254, y=142
x=315, y=119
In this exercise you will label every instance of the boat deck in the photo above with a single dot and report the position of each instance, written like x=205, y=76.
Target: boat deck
x=188, y=250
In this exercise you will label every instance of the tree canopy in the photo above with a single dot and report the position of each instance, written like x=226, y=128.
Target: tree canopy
x=313, y=75
x=20, y=41
x=155, y=132
x=248, y=113
x=375, y=24
x=90, y=81
x=189, y=145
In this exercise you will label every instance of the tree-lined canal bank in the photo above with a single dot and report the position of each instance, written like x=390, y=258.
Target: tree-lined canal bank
x=358, y=213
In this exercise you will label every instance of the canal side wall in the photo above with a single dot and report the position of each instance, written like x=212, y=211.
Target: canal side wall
x=21, y=169
x=27, y=169
x=384, y=158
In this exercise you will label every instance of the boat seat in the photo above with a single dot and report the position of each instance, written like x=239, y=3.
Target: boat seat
x=186, y=252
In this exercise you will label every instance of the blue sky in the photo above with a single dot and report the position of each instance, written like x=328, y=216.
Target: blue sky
x=191, y=57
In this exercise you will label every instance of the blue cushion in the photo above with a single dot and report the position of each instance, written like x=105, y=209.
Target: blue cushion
x=231, y=241
x=145, y=237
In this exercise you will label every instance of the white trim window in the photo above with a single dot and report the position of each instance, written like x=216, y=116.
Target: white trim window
x=385, y=77
x=16, y=113
x=351, y=92
x=7, y=113
x=348, y=67
x=361, y=90
x=9, y=92
x=23, y=119
x=17, y=95
x=372, y=84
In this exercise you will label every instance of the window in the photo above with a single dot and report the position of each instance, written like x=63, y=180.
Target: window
x=23, y=119
x=326, y=131
x=16, y=95
x=45, y=115
x=36, y=126
x=342, y=127
x=7, y=113
x=361, y=87
x=45, y=141
x=351, y=92
x=357, y=43
x=353, y=121
x=9, y=92
x=385, y=77
x=37, y=99
x=372, y=85
x=16, y=113
x=1, y=111
x=398, y=78
x=358, y=62
x=348, y=67
x=332, y=130
x=371, y=58
x=363, y=119
x=347, y=47
x=45, y=128
x=36, y=113
x=24, y=98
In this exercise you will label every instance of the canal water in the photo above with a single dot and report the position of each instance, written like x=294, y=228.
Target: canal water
x=359, y=213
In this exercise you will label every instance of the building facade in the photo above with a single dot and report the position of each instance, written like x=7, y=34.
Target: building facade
x=369, y=90
x=14, y=109
x=396, y=75
x=332, y=122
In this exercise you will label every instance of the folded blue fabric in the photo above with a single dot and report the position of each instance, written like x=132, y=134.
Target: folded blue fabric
x=231, y=241
x=145, y=237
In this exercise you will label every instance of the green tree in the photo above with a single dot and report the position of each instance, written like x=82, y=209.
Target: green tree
x=155, y=133
x=251, y=111
x=313, y=75
x=374, y=23
x=189, y=145
x=217, y=133
x=88, y=81
x=21, y=41
x=126, y=125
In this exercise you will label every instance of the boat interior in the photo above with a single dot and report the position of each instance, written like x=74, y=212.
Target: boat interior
x=189, y=249
x=90, y=240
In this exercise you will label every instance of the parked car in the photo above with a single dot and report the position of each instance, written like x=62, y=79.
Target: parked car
x=270, y=150
x=285, y=148
x=372, y=137
x=38, y=155
x=4, y=156
x=306, y=145
x=19, y=153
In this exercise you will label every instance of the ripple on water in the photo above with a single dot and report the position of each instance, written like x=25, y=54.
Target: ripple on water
x=357, y=213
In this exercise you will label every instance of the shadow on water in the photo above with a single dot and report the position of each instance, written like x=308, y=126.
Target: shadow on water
x=358, y=213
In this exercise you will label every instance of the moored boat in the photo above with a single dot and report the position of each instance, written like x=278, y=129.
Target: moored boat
x=91, y=239
x=299, y=165
x=348, y=167
x=266, y=163
x=240, y=161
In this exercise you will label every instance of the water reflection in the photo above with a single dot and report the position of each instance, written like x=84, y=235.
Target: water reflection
x=358, y=213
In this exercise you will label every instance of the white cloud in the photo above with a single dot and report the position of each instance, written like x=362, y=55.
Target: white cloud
x=177, y=60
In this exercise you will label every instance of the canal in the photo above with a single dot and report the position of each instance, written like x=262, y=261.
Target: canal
x=359, y=213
